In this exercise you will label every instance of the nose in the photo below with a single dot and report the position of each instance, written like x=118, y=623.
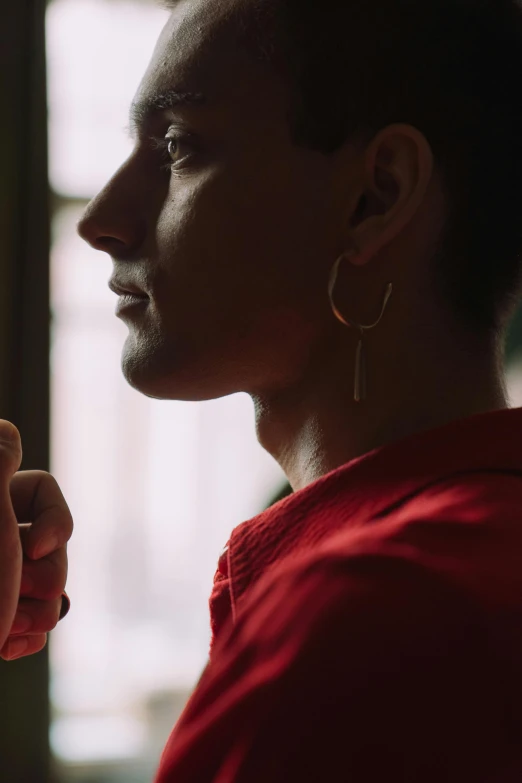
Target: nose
x=111, y=223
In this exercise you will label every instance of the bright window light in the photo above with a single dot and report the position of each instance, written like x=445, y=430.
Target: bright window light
x=98, y=51
x=155, y=487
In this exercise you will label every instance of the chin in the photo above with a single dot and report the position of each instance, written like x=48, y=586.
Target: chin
x=159, y=376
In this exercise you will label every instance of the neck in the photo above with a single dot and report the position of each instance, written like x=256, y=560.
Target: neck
x=316, y=426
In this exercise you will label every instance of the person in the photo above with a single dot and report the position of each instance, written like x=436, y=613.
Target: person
x=322, y=209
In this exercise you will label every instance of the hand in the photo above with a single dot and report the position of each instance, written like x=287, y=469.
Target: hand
x=33, y=511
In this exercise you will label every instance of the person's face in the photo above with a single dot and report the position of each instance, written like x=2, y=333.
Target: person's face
x=232, y=242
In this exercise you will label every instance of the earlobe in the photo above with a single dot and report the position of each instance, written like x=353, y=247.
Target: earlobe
x=365, y=223
x=366, y=231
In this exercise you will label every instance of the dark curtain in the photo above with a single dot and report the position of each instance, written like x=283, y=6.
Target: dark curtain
x=24, y=338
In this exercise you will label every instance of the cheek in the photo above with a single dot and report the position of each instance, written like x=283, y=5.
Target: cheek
x=243, y=234
x=235, y=303
x=200, y=255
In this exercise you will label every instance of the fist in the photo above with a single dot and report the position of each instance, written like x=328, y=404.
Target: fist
x=35, y=525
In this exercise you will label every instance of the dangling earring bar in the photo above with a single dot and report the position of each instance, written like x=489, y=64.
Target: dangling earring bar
x=360, y=372
x=360, y=359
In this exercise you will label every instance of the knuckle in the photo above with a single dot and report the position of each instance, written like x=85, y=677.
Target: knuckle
x=10, y=439
x=51, y=583
x=9, y=432
x=48, y=478
x=40, y=476
x=46, y=617
x=40, y=642
x=58, y=584
x=52, y=591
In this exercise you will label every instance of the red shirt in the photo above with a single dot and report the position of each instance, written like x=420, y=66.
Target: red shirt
x=368, y=628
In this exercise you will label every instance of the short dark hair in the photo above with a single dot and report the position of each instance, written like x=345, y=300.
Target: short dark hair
x=451, y=68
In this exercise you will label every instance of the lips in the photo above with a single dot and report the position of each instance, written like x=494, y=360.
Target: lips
x=125, y=288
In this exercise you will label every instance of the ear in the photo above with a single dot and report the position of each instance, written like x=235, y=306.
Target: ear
x=397, y=171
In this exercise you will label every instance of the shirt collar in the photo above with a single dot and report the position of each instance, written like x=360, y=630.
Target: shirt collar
x=368, y=486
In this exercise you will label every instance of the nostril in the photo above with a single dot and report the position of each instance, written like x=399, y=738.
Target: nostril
x=113, y=247
x=90, y=229
x=109, y=244
x=89, y=232
x=111, y=228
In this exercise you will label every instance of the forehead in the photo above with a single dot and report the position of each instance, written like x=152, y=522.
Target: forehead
x=198, y=50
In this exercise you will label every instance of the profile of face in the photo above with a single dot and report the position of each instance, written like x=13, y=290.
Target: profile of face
x=218, y=218
x=227, y=226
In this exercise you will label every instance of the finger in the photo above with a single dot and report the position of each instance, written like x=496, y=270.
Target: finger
x=10, y=449
x=46, y=578
x=31, y=644
x=37, y=498
x=10, y=459
x=35, y=617
x=10, y=548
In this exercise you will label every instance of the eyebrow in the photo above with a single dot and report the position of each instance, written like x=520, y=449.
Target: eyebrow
x=143, y=110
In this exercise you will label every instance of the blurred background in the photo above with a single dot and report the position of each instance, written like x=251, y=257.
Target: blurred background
x=155, y=487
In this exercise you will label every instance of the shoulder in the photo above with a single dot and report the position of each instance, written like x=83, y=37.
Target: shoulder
x=488, y=494
x=385, y=670
x=352, y=595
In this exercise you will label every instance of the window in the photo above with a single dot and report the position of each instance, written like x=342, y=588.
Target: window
x=155, y=487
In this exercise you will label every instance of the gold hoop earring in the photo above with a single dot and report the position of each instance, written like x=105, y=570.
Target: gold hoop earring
x=360, y=359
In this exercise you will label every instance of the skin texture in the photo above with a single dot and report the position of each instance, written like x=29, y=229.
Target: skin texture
x=234, y=246
x=36, y=525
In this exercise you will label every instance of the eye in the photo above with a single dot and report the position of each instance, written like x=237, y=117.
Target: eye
x=177, y=148
x=173, y=147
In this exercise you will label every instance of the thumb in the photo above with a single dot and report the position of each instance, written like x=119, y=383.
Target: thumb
x=10, y=449
x=11, y=555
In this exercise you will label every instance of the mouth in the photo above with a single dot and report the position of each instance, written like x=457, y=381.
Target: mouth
x=131, y=305
x=131, y=298
x=127, y=290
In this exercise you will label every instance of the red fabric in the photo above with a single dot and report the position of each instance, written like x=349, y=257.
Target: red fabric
x=219, y=602
x=369, y=627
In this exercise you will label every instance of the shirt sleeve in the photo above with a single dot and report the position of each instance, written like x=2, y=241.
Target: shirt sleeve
x=361, y=671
